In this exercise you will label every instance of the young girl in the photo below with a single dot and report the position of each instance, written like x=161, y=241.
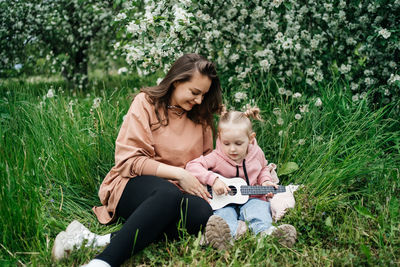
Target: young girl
x=238, y=155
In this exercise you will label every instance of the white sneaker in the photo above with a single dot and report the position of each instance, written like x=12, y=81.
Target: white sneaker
x=218, y=234
x=241, y=229
x=97, y=263
x=74, y=236
x=75, y=225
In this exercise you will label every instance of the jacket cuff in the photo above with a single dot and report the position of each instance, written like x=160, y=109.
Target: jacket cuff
x=150, y=167
x=211, y=179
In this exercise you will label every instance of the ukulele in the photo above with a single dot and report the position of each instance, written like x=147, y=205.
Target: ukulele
x=239, y=193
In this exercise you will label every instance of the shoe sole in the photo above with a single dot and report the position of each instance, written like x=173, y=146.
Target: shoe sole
x=218, y=233
x=286, y=235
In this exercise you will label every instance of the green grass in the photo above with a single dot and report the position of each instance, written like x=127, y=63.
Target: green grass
x=54, y=156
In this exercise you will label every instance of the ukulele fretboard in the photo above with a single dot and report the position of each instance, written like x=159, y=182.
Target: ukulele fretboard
x=261, y=190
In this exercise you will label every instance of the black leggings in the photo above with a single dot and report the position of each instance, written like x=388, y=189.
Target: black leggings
x=152, y=208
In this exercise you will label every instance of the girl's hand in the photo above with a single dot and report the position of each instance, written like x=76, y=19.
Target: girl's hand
x=269, y=183
x=220, y=187
x=190, y=184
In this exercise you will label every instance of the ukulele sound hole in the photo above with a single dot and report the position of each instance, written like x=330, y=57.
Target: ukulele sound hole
x=233, y=190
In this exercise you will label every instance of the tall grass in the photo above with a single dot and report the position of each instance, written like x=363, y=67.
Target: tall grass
x=54, y=155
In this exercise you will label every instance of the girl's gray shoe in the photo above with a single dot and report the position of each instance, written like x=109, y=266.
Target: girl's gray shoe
x=218, y=234
x=286, y=234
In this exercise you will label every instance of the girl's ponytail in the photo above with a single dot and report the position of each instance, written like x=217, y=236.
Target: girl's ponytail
x=253, y=112
x=224, y=111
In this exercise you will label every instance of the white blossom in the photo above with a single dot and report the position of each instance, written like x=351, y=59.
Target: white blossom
x=318, y=102
x=303, y=108
x=297, y=116
x=353, y=86
x=279, y=37
x=276, y=3
x=296, y=95
x=384, y=33
x=393, y=78
x=234, y=58
x=96, y=102
x=122, y=70
x=277, y=111
x=133, y=28
x=239, y=96
x=281, y=90
x=287, y=44
x=319, y=76
x=345, y=68
x=264, y=64
x=120, y=16
x=310, y=82
x=369, y=81
x=50, y=93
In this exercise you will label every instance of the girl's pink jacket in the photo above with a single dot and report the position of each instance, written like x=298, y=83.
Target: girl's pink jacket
x=257, y=167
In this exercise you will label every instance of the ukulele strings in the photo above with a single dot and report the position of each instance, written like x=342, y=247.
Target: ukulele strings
x=232, y=192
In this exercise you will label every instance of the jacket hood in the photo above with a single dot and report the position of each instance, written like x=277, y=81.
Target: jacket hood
x=251, y=152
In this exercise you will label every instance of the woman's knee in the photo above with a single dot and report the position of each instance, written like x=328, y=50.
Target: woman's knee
x=196, y=212
x=152, y=191
x=167, y=197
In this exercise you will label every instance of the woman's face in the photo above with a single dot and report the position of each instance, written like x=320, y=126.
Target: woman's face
x=190, y=93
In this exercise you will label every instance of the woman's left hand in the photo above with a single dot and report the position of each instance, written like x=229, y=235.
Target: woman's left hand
x=187, y=181
x=190, y=184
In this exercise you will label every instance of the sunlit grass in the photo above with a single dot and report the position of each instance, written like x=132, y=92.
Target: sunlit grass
x=55, y=152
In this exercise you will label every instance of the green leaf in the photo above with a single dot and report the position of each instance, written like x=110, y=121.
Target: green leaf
x=366, y=251
x=356, y=50
x=394, y=208
x=288, y=168
x=328, y=221
x=288, y=5
x=364, y=212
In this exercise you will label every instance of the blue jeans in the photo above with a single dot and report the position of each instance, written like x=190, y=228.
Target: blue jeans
x=255, y=212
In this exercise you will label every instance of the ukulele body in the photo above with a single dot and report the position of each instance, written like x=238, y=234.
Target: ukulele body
x=239, y=193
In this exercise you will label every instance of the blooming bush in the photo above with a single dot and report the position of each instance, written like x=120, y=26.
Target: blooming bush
x=63, y=33
x=299, y=42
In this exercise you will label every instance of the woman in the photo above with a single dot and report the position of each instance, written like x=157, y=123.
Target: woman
x=166, y=126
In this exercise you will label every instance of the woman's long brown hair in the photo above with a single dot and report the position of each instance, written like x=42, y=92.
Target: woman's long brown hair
x=181, y=71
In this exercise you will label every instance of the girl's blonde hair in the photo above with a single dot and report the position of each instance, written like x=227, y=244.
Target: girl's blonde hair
x=237, y=117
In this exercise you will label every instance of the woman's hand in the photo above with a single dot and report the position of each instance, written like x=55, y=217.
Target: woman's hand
x=220, y=187
x=269, y=183
x=190, y=184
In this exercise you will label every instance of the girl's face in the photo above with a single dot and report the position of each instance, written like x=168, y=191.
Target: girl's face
x=190, y=93
x=235, y=141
